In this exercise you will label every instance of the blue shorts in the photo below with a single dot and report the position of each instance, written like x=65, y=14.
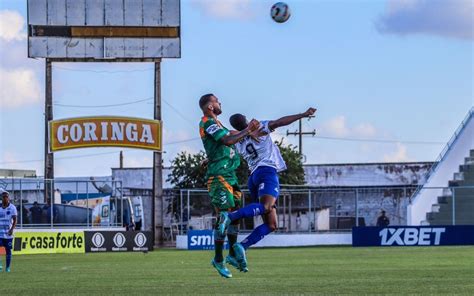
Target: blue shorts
x=7, y=243
x=264, y=181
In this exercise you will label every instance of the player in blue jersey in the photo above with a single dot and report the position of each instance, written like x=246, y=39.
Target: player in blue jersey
x=8, y=216
x=265, y=162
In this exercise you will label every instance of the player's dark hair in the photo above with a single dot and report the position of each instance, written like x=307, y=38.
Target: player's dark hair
x=238, y=121
x=204, y=100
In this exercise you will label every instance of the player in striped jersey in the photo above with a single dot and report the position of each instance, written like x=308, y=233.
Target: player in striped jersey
x=265, y=162
x=8, y=216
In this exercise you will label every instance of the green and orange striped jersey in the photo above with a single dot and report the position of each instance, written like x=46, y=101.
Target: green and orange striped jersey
x=223, y=161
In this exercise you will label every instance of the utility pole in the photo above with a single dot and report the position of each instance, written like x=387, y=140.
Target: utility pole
x=48, y=116
x=300, y=134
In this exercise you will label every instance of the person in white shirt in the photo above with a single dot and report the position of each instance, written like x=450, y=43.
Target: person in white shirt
x=8, y=218
x=265, y=162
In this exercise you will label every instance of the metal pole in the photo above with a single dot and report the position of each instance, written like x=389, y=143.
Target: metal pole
x=121, y=195
x=357, y=206
x=87, y=203
x=157, y=201
x=300, y=146
x=188, y=209
x=48, y=115
x=21, y=204
x=454, y=206
x=284, y=212
x=314, y=213
x=290, y=200
x=51, y=201
x=309, y=209
x=180, y=210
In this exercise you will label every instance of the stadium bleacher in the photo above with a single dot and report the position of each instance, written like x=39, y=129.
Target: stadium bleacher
x=463, y=198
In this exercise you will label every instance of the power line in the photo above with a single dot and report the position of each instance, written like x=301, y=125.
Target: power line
x=179, y=113
x=374, y=140
x=104, y=106
x=381, y=140
x=300, y=135
x=94, y=154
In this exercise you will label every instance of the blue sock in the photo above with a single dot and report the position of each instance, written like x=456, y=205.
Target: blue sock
x=256, y=235
x=251, y=210
x=9, y=259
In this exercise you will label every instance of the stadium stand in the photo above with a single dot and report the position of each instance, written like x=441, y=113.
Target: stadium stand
x=462, y=201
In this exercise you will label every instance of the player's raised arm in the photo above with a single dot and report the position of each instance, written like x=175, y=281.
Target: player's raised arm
x=286, y=120
x=235, y=136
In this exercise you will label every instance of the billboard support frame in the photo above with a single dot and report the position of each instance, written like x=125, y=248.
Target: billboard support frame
x=157, y=199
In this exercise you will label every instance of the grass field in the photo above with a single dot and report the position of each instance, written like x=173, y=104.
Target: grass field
x=322, y=270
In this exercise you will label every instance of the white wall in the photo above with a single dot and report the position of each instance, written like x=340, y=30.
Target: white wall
x=426, y=197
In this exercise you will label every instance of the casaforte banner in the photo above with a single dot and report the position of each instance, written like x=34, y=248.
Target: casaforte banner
x=104, y=131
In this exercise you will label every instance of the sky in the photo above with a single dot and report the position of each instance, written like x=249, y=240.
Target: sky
x=391, y=79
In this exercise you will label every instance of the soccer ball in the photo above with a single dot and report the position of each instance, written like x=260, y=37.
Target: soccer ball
x=280, y=12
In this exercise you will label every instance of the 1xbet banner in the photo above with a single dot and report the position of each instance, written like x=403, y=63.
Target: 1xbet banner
x=413, y=236
x=48, y=242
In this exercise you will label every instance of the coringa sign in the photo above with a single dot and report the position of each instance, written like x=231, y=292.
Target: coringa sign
x=104, y=131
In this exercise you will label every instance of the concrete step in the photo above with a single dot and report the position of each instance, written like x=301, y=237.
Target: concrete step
x=458, y=176
x=435, y=208
x=439, y=217
x=425, y=223
x=450, y=222
x=447, y=192
x=453, y=183
x=466, y=168
x=469, y=160
x=444, y=199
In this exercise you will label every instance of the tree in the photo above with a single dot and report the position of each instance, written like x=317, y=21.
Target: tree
x=187, y=171
x=294, y=174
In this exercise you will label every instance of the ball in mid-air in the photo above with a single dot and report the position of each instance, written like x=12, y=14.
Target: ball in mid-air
x=280, y=12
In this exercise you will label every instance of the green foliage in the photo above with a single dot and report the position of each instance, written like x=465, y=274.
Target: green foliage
x=187, y=171
x=294, y=174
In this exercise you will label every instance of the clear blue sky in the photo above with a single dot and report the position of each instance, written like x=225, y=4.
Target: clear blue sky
x=381, y=70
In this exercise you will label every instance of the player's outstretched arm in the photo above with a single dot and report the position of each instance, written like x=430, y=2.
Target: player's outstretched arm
x=235, y=137
x=286, y=120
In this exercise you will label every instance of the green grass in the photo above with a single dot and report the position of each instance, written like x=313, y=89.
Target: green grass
x=323, y=270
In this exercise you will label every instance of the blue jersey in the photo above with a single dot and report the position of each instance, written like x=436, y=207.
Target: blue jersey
x=6, y=220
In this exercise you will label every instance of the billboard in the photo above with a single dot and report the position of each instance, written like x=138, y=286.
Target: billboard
x=413, y=236
x=48, y=242
x=118, y=241
x=202, y=240
x=104, y=29
x=104, y=131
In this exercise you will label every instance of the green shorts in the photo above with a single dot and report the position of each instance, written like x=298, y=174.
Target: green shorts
x=224, y=192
